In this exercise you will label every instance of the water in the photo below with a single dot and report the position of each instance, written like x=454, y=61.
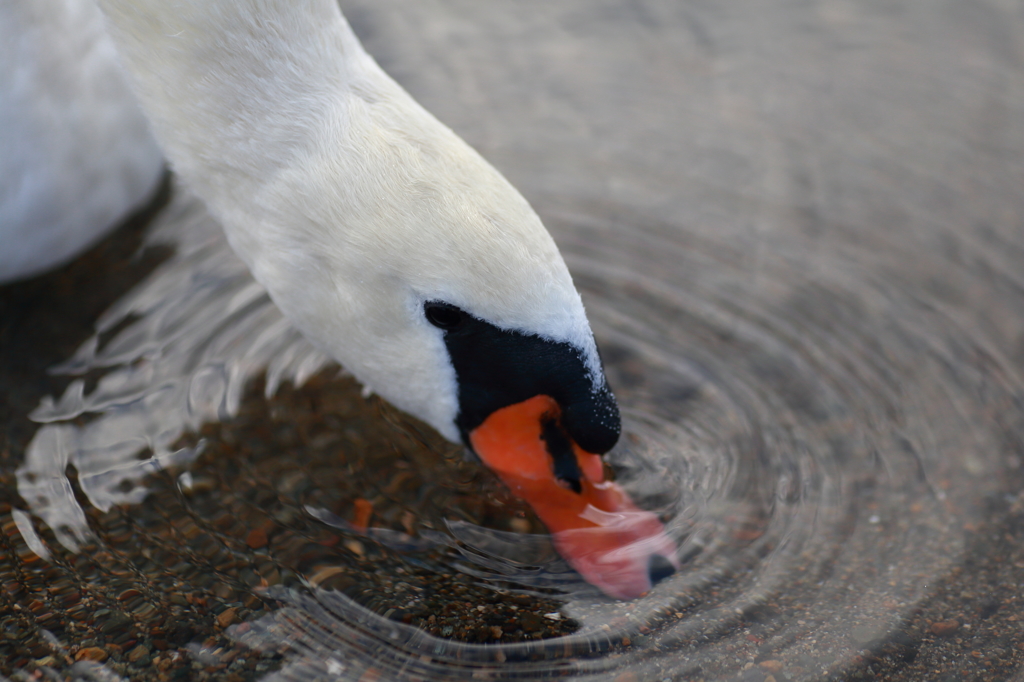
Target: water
x=799, y=234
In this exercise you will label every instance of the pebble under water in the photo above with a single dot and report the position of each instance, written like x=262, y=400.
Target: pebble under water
x=799, y=234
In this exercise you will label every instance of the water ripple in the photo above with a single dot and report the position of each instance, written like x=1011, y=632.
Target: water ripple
x=798, y=438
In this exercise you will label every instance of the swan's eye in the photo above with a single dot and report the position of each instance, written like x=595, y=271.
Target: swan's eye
x=443, y=315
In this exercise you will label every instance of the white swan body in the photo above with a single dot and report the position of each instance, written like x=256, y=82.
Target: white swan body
x=76, y=154
x=348, y=201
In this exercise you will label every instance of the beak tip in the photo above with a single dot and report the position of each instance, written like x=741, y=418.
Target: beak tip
x=659, y=567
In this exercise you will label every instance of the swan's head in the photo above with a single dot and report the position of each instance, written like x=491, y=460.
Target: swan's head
x=396, y=249
x=402, y=253
x=437, y=286
x=448, y=298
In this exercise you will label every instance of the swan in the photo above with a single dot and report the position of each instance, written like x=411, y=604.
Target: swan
x=76, y=153
x=396, y=249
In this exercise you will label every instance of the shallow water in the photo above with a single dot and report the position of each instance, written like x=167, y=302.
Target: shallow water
x=799, y=234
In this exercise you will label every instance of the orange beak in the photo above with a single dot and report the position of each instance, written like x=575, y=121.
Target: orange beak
x=613, y=544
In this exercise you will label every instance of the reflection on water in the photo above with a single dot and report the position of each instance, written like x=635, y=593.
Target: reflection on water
x=799, y=233
x=184, y=342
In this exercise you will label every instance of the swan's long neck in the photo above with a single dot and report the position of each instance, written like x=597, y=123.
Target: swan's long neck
x=253, y=72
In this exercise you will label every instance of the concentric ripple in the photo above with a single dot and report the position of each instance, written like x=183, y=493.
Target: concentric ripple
x=805, y=442
x=801, y=449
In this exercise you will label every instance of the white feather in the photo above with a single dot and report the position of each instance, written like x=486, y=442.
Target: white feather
x=76, y=154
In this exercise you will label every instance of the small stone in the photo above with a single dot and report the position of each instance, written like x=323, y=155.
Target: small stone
x=771, y=666
x=293, y=483
x=114, y=622
x=181, y=634
x=364, y=510
x=864, y=633
x=748, y=534
x=325, y=574
x=409, y=522
x=496, y=632
x=224, y=592
x=752, y=675
x=202, y=484
x=256, y=538
x=46, y=661
x=530, y=622
x=226, y=617
x=91, y=653
x=136, y=654
x=944, y=627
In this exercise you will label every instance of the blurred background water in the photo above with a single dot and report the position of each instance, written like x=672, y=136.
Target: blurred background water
x=798, y=229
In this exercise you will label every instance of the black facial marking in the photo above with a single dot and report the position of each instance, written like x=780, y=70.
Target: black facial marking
x=566, y=468
x=499, y=367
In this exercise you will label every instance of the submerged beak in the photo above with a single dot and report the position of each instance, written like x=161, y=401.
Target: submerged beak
x=613, y=544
